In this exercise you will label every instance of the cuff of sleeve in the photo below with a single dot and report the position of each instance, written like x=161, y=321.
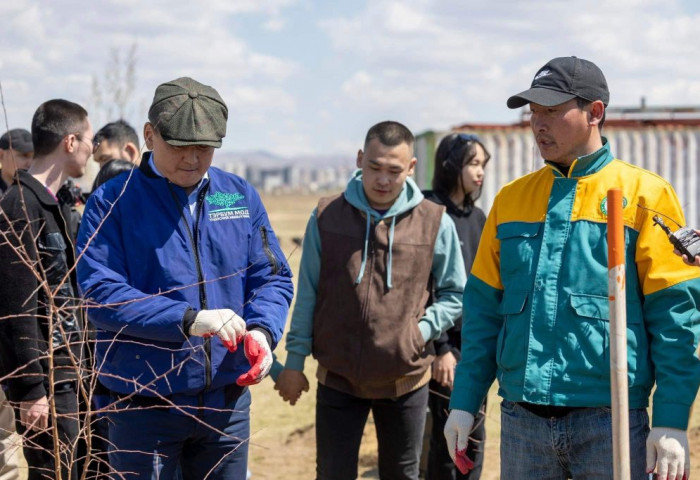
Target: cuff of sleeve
x=275, y=370
x=268, y=337
x=295, y=362
x=468, y=397
x=441, y=348
x=25, y=392
x=187, y=321
x=670, y=415
x=425, y=330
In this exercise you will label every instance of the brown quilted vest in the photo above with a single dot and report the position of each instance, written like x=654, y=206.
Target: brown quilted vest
x=366, y=337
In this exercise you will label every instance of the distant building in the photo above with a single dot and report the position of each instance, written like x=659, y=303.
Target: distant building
x=665, y=140
x=291, y=178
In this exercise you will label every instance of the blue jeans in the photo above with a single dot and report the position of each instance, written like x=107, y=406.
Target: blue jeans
x=340, y=421
x=577, y=445
x=152, y=442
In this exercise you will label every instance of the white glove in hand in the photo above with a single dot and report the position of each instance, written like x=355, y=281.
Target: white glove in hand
x=259, y=355
x=223, y=323
x=457, y=429
x=667, y=450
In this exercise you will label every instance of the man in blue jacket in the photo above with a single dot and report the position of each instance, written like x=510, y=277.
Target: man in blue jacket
x=179, y=268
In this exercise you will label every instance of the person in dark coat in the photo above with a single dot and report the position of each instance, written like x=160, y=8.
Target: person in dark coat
x=40, y=326
x=457, y=179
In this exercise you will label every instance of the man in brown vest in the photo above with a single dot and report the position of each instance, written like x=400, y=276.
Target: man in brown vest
x=371, y=258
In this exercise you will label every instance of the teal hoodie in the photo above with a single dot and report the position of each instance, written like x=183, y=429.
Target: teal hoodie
x=447, y=270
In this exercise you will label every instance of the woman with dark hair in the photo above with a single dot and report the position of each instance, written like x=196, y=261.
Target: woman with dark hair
x=457, y=179
x=111, y=169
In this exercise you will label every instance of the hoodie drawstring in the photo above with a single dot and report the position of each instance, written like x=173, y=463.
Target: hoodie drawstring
x=364, y=250
x=391, y=247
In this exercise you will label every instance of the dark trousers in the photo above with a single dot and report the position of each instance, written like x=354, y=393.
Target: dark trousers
x=38, y=447
x=440, y=465
x=148, y=441
x=97, y=425
x=340, y=421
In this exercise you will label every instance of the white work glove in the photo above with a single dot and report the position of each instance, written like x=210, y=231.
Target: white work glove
x=223, y=323
x=259, y=355
x=457, y=429
x=667, y=450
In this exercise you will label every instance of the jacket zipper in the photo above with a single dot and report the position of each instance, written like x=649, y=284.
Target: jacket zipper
x=200, y=277
x=268, y=251
x=202, y=291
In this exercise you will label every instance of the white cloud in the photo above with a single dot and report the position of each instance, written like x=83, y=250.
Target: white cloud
x=264, y=99
x=274, y=24
x=459, y=61
x=428, y=63
x=58, y=48
x=248, y=6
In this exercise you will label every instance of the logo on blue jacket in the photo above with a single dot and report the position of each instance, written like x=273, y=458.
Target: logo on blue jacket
x=227, y=203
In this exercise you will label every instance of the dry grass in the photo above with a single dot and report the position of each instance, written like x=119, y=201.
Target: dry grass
x=283, y=439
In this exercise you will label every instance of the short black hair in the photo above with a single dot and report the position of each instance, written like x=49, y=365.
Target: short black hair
x=390, y=134
x=455, y=151
x=110, y=170
x=582, y=103
x=119, y=132
x=53, y=121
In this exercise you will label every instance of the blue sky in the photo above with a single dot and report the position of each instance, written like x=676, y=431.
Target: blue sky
x=309, y=77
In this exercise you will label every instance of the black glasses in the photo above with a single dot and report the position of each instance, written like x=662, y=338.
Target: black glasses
x=459, y=141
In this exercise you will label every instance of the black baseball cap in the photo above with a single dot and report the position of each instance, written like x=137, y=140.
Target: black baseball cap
x=562, y=79
x=186, y=112
x=18, y=139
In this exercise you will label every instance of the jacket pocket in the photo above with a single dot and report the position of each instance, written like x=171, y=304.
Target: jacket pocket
x=592, y=333
x=520, y=245
x=591, y=306
x=274, y=262
x=593, y=337
x=514, y=336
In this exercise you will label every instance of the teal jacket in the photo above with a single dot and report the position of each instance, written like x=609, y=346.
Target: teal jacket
x=536, y=314
x=447, y=270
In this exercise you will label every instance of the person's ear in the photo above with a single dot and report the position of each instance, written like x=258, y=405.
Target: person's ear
x=132, y=152
x=69, y=143
x=148, y=133
x=595, y=113
x=412, y=165
x=360, y=154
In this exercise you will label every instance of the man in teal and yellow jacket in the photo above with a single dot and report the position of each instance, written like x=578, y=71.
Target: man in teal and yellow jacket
x=536, y=313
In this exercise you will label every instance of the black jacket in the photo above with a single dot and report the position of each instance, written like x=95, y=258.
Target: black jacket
x=33, y=227
x=3, y=186
x=469, y=225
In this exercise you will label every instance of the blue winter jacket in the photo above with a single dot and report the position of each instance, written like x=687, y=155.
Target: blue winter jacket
x=142, y=278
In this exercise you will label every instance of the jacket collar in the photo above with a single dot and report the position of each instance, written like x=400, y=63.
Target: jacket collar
x=36, y=187
x=587, y=164
x=443, y=199
x=145, y=166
